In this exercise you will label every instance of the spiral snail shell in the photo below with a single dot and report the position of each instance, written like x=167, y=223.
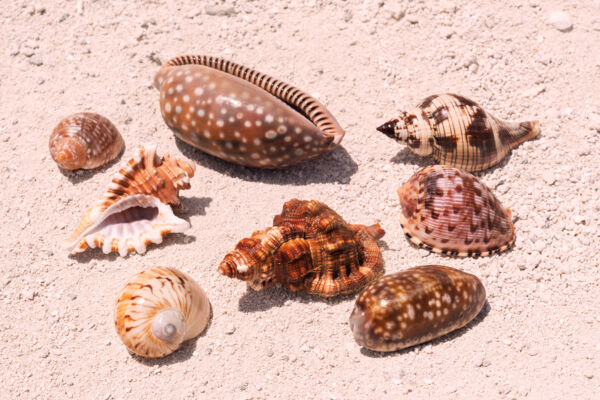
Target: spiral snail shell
x=85, y=140
x=456, y=131
x=158, y=309
x=241, y=115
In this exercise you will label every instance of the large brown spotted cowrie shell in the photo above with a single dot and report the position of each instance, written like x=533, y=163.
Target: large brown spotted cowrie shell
x=310, y=248
x=451, y=212
x=415, y=306
x=241, y=115
x=456, y=131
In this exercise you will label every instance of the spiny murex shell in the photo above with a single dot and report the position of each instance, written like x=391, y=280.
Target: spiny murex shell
x=457, y=131
x=310, y=248
x=241, y=115
x=451, y=212
x=85, y=140
x=414, y=306
x=134, y=211
x=158, y=309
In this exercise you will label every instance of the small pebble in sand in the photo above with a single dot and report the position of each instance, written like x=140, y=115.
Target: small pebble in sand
x=561, y=21
x=230, y=329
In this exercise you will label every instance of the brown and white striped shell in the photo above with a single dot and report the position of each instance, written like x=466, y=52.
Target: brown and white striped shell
x=457, y=131
x=451, y=212
x=309, y=248
x=135, y=211
x=241, y=115
x=415, y=306
x=85, y=140
x=158, y=309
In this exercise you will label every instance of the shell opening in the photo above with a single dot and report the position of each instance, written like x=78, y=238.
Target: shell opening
x=169, y=326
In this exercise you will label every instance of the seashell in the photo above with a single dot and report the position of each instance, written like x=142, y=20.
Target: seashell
x=85, y=140
x=457, y=131
x=134, y=212
x=415, y=306
x=241, y=115
x=451, y=212
x=158, y=309
x=309, y=248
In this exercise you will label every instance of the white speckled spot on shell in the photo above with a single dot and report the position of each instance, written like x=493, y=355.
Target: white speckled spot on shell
x=235, y=99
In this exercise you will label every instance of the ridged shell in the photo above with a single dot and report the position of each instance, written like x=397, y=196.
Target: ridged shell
x=85, y=140
x=457, y=131
x=134, y=211
x=451, y=212
x=158, y=309
x=310, y=248
x=415, y=306
x=241, y=115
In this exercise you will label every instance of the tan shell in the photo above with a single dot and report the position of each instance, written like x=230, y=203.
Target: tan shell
x=85, y=140
x=456, y=131
x=134, y=210
x=241, y=115
x=414, y=306
x=310, y=248
x=158, y=309
x=451, y=212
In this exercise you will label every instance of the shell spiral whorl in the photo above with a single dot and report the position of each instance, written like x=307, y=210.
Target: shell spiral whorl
x=158, y=309
x=85, y=140
x=241, y=115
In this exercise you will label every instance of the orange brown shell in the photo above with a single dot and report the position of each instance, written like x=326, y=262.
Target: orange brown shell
x=451, y=212
x=310, y=248
x=85, y=140
x=457, y=131
x=241, y=115
x=414, y=306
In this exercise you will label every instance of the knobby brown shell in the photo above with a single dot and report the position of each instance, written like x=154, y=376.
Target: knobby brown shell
x=309, y=248
x=414, y=306
x=85, y=140
x=457, y=131
x=241, y=115
x=451, y=212
x=135, y=211
x=158, y=309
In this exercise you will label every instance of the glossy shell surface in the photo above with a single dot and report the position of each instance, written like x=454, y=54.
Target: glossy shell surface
x=85, y=140
x=241, y=115
x=135, y=211
x=415, y=306
x=451, y=212
x=158, y=309
x=309, y=248
x=457, y=131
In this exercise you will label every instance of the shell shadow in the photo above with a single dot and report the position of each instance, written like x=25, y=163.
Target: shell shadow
x=334, y=167
x=485, y=310
x=183, y=353
x=193, y=206
x=405, y=156
x=82, y=175
x=256, y=301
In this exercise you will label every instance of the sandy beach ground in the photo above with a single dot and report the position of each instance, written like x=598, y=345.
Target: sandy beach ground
x=539, y=335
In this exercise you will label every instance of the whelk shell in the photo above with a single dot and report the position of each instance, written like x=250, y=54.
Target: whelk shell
x=457, y=131
x=85, y=140
x=414, y=306
x=309, y=248
x=241, y=115
x=158, y=309
x=134, y=212
x=451, y=212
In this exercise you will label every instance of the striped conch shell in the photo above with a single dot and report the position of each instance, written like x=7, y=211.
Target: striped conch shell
x=451, y=212
x=415, y=306
x=309, y=248
x=241, y=115
x=85, y=140
x=456, y=131
x=158, y=309
x=134, y=212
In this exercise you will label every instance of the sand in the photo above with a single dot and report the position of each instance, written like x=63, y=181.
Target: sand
x=539, y=335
